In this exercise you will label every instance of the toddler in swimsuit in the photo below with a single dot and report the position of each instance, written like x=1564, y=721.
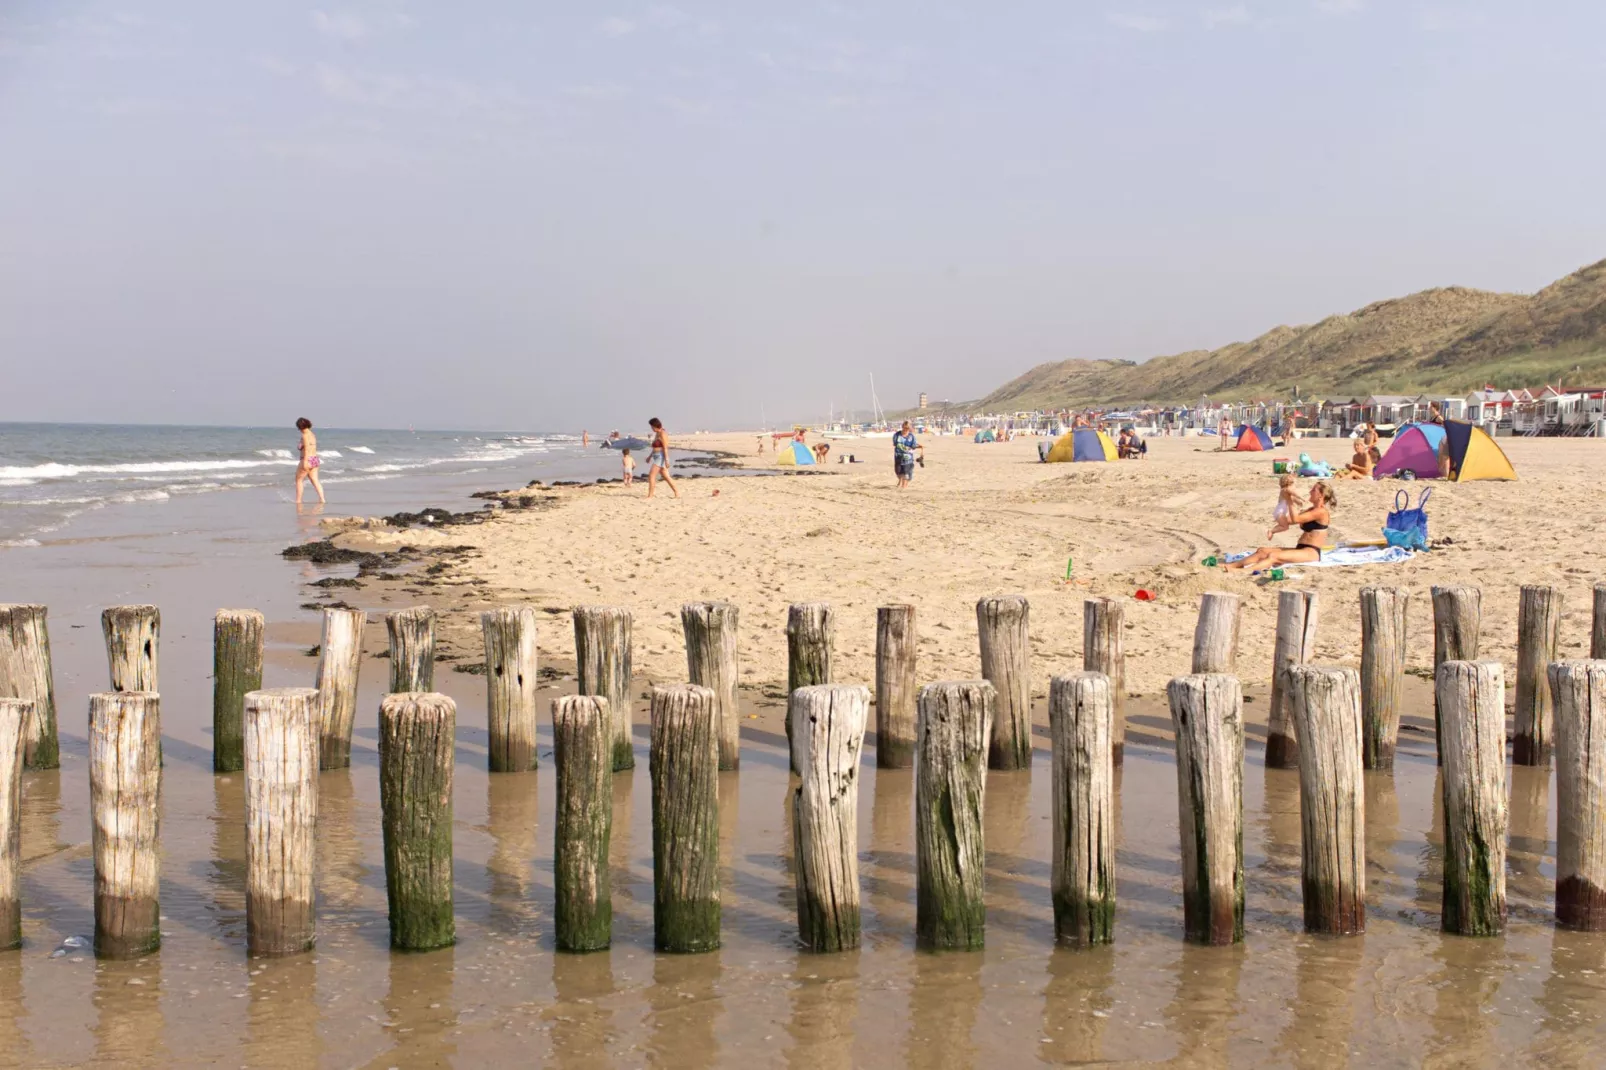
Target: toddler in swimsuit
x=1287, y=505
x=629, y=464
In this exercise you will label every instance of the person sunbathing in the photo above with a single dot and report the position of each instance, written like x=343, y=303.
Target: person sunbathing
x=1360, y=465
x=1313, y=524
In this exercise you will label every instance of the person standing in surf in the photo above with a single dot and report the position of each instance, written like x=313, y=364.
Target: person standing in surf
x=310, y=461
x=658, y=459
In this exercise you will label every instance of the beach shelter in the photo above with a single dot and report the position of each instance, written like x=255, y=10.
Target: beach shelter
x=986, y=435
x=1252, y=438
x=1473, y=454
x=1415, y=449
x=795, y=454
x=1083, y=444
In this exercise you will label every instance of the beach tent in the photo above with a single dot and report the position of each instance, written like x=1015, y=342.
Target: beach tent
x=1252, y=438
x=794, y=453
x=1473, y=454
x=986, y=435
x=1083, y=444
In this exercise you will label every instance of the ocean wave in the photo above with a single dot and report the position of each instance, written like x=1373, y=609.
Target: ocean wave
x=359, y=449
x=17, y=543
x=329, y=453
x=17, y=482
x=52, y=470
x=276, y=454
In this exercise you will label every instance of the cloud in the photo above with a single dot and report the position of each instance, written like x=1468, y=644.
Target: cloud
x=1237, y=15
x=1138, y=23
x=274, y=65
x=617, y=26
x=340, y=25
x=1339, y=7
x=604, y=91
x=1444, y=20
x=357, y=87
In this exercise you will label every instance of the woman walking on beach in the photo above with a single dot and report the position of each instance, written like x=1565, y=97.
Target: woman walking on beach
x=310, y=461
x=658, y=459
x=903, y=454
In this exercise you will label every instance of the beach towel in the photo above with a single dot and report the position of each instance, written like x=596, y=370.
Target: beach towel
x=1345, y=555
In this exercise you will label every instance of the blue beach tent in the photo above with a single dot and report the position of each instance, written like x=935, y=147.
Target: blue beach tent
x=795, y=454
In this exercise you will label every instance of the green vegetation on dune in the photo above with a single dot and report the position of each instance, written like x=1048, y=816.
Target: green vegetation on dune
x=1448, y=340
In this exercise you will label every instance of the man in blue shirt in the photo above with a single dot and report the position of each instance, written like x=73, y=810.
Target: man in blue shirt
x=904, y=448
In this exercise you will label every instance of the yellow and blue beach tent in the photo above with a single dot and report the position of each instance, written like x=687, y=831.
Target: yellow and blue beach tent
x=794, y=454
x=1082, y=444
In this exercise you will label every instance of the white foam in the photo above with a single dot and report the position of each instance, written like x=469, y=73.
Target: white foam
x=329, y=453
x=18, y=542
x=277, y=454
x=51, y=470
x=359, y=449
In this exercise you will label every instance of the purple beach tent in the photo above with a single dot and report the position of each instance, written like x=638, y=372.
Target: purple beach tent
x=1415, y=449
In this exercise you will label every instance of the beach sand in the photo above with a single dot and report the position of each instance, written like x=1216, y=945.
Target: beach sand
x=985, y=519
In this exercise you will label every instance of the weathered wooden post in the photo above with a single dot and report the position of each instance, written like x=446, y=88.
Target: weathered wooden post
x=684, y=763
x=416, y=737
x=1457, y=618
x=711, y=629
x=1472, y=700
x=1538, y=638
x=1080, y=722
x=510, y=685
x=133, y=640
x=1383, y=645
x=1207, y=712
x=810, y=635
x=828, y=723
x=1104, y=651
x=281, y=816
x=950, y=788
x=25, y=673
x=1003, y=626
x=1296, y=642
x=125, y=791
x=895, y=687
x=1579, y=689
x=1215, y=635
x=582, y=753
x=339, y=663
x=602, y=652
x=412, y=650
x=1326, y=705
x=236, y=669
x=16, y=714
x=1597, y=624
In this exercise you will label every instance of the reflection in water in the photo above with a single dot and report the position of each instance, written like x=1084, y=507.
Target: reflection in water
x=944, y=999
x=1463, y=989
x=1009, y=795
x=1077, y=1003
x=1430, y=857
x=282, y=1016
x=226, y=869
x=582, y=1025
x=1386, y=857
x=684, y=1010
x=341, y=869
x=1279, y=874
x=41, y=814
x=824, y=997
x=1529, y=845
x=1206, y=999
x=886, y=874
x=1572, y=1000
x=13, y=1038
x=420, y=1014
x=512, y=808
x=1317, y=1035
x=128, y=1009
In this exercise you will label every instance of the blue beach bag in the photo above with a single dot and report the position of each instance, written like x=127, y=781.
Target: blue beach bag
x=1407, y=527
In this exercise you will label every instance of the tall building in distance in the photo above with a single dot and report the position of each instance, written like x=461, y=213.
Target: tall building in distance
x=922, y=400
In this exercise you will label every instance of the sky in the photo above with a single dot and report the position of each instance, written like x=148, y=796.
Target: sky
x=552, y=216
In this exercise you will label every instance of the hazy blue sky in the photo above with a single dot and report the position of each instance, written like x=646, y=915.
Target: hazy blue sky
x=553, y=215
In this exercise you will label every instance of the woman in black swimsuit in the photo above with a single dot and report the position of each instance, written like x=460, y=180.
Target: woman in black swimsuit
x=1313, y=524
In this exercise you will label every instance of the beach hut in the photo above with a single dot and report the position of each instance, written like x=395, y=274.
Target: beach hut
x=1252, y=438
x=1473, y=454
x=794, y=454
x=1083, y=444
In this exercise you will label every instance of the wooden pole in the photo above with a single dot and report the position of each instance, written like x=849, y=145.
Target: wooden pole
x=133, y=640
x=1383, y=645
x=1207, y=713
x=1104, y=651
x=1296, y=642
x=1002, y=623
x=236, y=669
x=1215, y=636
x=1457, y=617
x=956, y=721
x=1080, y=722
x=25, y=673
x=417, y=733
x=602, y=652
x=810, y=635
x=582, y=752
x=895, y=687
x=412, y=650
x=685, y=819
x=125, y=791
x=1538, y=638
x=339, y=662
x=1579, y=688
x=1597, y=630
x=1326, y=705
x=510, y=684
x=828, y=723
x=1472, y=698
x=281, y=816
x=16, y=715
x=711, y=629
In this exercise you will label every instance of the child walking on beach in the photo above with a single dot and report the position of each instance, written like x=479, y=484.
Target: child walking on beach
x=628, y=463
x=1287, y=505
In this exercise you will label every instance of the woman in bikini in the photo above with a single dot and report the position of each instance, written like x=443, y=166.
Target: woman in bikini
x=310, y=461
x=658, y=459
x=1313, y=524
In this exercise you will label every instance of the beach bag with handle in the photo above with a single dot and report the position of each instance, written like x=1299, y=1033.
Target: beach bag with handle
x=1407, y=527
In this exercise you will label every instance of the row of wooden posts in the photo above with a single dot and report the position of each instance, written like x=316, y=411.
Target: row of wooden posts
x=1330, y=723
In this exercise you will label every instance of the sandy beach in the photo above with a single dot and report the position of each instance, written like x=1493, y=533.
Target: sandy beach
x=986, y=519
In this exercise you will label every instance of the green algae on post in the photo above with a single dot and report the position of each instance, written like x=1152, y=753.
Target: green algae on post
x=1326, y=707
x=25, y=673
x=810, y=634
x=684, y=765
x=602, y=656
x=1471, y=698
x=710, y=629
x=237, y=636
x=956, y=721
x=583, y=828
x=1207, y=713
x=416, y=740
x=1080, y=720
x=896, y=686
